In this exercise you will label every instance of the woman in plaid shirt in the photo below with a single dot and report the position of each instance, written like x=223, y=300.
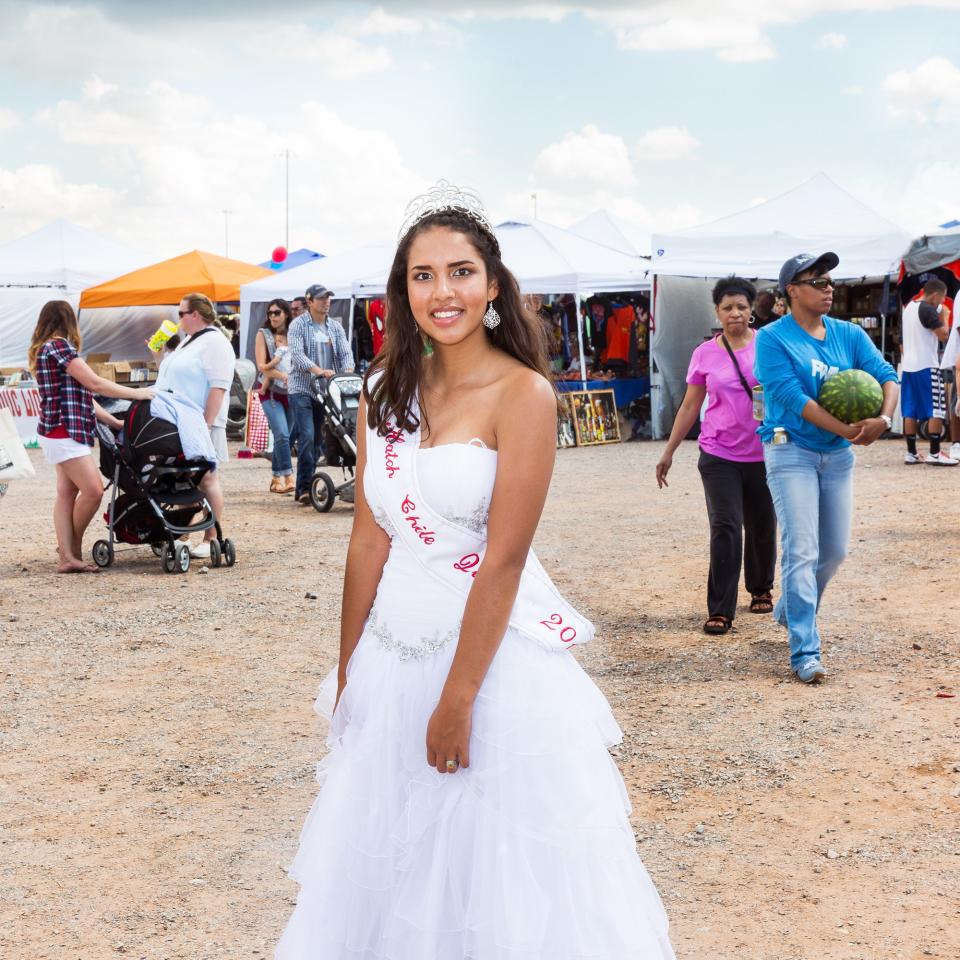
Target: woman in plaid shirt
x=67, y=418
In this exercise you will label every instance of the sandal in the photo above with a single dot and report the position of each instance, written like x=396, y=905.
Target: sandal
x=717, y=625
x=761, y=603
x=277, y=485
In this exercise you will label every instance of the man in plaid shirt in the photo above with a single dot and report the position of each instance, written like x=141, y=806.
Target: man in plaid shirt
x=318, y=348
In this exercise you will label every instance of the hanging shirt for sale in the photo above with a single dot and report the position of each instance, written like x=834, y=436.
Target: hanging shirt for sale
x=620, y=329
x=377, y=318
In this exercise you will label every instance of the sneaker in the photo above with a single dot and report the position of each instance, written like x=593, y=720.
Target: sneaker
x=909, y=457
x=811, y=671
x=200, y=551
x=940, y=460
x=955, y=450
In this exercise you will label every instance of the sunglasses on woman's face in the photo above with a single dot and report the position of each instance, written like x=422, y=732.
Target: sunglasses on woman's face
x=274, y=313
x=182, y=313
x=818, y=283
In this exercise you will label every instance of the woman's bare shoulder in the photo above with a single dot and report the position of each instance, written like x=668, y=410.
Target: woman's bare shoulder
x=521, y=385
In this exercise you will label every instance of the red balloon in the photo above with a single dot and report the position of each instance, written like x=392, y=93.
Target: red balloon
x=279, y=254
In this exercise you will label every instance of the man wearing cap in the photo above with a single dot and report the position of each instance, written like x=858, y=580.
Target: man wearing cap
x=318, y=348
x=807, y=450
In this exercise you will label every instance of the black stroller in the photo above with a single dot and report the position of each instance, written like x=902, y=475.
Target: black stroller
x=340, y=402
x=154, y=498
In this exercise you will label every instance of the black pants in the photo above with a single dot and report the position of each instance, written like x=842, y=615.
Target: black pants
x=738, y=504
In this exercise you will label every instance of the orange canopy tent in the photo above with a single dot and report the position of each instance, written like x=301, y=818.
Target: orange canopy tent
x=166, y=282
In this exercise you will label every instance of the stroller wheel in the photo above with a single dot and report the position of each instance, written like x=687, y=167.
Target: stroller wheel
x=157, y=549
x=215, y=555
x=102, y=553
x=229, y=552
x=182, y=558
x=322, y=492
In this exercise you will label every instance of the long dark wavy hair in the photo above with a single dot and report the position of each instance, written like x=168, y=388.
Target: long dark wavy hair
x=519, y=334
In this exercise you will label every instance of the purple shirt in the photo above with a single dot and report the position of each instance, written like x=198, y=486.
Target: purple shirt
x=728, y=429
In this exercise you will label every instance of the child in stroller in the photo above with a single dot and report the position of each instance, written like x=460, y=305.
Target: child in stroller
x=154, y=497
x=340, y=401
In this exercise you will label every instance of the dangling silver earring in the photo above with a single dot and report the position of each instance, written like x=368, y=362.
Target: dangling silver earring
x=491, y=318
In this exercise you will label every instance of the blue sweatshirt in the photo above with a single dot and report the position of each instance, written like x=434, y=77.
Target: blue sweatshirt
x=792, y=366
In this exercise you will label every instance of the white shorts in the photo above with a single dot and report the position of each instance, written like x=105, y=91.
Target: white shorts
x=58, y=449
x=219, y=437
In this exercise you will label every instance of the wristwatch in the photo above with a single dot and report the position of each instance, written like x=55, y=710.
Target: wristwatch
x=887, y=420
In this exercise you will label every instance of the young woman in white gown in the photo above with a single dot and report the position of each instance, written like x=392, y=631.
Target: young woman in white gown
x=469, y=808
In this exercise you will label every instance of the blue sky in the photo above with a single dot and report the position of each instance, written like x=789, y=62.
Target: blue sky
x=145, y=121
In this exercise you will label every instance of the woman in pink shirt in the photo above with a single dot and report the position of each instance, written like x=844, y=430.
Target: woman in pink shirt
x=731, y=459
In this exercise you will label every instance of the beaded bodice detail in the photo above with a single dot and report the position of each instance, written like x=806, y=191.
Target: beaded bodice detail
x=414, y=615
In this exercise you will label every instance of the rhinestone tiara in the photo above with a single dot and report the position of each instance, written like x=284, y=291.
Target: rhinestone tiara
x=444, y=196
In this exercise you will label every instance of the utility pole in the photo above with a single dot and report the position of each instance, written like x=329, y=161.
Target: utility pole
x=533, y=197
x=226, y=232
x=286, y=179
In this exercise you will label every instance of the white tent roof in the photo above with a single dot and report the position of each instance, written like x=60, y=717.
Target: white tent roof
x=64, y=256
x=55, y=262
x=549, y=259
x=607, y=228
x=814, y=217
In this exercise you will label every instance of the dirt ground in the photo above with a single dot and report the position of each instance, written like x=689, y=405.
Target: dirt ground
x=157, y=739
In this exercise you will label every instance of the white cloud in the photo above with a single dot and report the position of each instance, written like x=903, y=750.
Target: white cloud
x=35, y=194
x=666, y=143
x=931, y=195
x=930, y=92
x=378, y=21
x=831, y=41
x=9, y=119
x=732, y=39
x=587, y=158
x=176, y=161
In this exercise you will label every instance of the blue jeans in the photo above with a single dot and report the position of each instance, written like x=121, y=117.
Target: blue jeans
x=308, y=418
x=813, y=496
x=280, y=419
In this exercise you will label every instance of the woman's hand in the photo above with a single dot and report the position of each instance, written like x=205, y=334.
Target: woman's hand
x=867, y=431
x=341, y=684
x=448, y=736
x=663, y=468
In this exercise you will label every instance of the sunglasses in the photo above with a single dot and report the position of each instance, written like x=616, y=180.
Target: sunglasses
x=182, y=313
x=818, y=283
x=274, y=313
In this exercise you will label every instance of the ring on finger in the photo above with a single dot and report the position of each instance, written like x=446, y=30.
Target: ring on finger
x=452, y=766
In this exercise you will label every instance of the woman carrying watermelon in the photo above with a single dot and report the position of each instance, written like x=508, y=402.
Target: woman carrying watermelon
x=807, y=449
x=743, y=525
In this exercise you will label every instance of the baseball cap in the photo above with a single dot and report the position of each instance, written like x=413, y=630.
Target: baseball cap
x=803, y=262
x=317, y=291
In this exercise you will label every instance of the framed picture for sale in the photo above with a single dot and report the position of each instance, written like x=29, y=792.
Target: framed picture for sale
x=566, y=432
x=595, y=417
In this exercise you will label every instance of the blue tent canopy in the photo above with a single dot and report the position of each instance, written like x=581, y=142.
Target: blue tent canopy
x=295, y=258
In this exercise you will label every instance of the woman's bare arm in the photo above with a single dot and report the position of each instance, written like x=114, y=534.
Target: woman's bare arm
x=366, y=556
x=526, y=451
x=81, y=372
x=685, y=419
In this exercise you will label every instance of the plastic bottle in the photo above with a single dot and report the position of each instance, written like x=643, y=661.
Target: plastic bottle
x=780, y=435
x=759, y=407
x=162, y=334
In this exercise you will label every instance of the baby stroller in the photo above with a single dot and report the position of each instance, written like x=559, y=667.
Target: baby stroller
x=340, y=402
x=154, y=496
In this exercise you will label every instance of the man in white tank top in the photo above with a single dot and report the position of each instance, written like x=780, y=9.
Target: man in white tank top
x=922, y=395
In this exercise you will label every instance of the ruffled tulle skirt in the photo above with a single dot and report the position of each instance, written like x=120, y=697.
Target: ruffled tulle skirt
x=526, y=855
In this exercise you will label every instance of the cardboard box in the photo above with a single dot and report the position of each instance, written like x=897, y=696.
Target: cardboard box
x=105, y=370
x=93, y=358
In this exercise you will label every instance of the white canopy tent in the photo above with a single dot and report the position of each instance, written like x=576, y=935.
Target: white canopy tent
x=55, y=262
x=816, y=216
x=339, y=273
x=545, y=259
x=607, y=228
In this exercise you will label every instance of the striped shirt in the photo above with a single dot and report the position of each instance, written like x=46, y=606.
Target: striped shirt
x=314, y=344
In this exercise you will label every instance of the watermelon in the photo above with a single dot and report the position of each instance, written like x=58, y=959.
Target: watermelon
x=851, y=395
